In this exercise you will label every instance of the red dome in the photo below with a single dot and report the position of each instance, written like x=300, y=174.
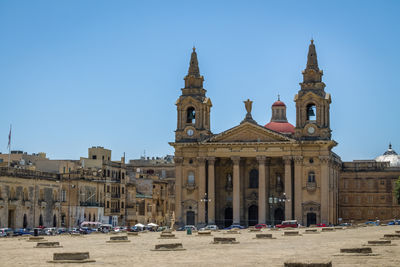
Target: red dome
x=278, y=103
x=281, y=127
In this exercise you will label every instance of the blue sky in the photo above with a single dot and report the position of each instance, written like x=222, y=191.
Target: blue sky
x=76, y=74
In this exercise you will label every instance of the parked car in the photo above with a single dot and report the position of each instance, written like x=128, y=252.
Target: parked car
x=285, y=224
x=211, y=227
x=184, y=228
x=321, y=225
x=22, y=231
x=3, y=232
x=394, y=222
x=371, y=223
x=233, y=226
x=260, y=226
x=50, y=231
x=62, y=230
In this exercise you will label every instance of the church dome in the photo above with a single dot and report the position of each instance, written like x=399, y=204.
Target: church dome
x=282, y=127
x=390, y=156
x=278, y=104
x=279, y=121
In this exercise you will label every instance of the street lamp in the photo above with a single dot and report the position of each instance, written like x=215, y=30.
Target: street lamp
x=205, y=199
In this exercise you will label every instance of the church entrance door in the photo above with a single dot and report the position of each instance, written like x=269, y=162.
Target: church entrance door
x=311, y=218
x=279, y=215
x=190, y=218
x=228, y=216
x=253, y=215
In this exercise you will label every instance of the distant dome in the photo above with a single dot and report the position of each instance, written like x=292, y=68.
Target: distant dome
x=390, y=156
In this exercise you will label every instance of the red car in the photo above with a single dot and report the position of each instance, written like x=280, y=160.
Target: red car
x=260, y=226
x=321, y=225
x=285, y=224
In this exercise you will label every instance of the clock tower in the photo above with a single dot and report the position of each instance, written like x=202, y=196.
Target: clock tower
x=312, y=102
x=193, y=106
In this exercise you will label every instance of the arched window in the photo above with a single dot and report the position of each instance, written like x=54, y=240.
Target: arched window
x=90, y=217
x=311, y=112
x=190, y=178
x=311, y=177
x=25, y=222
x=253, y=178
x=54, y=220
x=40, y=220
x=191, y=115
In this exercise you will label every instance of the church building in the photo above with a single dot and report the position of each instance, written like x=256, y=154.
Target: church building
x=252, y=173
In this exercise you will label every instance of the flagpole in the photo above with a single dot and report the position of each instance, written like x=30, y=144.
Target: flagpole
x=9, y=147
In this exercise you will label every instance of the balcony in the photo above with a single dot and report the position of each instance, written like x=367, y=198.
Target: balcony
x=115, y=210
x=90, y=204
x=42, y=204
x=13, y=201
x=311, y=186
x=27, y=203
x=115, y=195
x=190, y=187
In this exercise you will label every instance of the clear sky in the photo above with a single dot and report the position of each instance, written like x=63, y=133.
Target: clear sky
x=76, y=74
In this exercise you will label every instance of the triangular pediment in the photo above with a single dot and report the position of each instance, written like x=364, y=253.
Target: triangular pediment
x=249, y=132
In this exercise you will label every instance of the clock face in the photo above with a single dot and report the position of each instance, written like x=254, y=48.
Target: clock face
x=189, y=132
x=311, y=130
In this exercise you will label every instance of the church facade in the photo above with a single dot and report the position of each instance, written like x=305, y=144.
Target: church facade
x=252, y=173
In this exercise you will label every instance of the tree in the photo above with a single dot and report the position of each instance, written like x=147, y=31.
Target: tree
x=397, y=189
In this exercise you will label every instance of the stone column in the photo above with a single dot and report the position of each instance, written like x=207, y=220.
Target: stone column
x=178, y=189
x=298, y=189
x=211, y=190
x=324, y=189
x=202, y=190
x=288, y=188
x=261, y=189
x=236, y=190
x=267, y=184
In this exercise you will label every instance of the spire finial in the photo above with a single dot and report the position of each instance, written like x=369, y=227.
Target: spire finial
x=390, y=145
x=312, y=62
x=194, y=64
x=279, y=97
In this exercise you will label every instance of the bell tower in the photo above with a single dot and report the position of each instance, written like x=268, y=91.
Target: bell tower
x=193, y=106
x=312, y=102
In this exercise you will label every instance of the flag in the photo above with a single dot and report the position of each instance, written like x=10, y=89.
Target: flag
x=9, y=139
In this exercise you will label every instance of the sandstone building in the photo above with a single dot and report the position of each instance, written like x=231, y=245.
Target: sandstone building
x=252, y=173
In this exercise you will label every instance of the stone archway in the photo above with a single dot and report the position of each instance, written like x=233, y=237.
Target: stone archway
x=311, y=218
x=253, y=215
x=190, y=217
x=25, y=222
x=228, y=219
x=279, y=215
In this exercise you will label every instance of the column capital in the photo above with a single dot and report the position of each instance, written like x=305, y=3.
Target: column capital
x=287, y=159
x=298, y=159
x=324, y=159
x=261, y=159
x=235, y=159
x=201, y=160
x=178, y=160
x=211, y=160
